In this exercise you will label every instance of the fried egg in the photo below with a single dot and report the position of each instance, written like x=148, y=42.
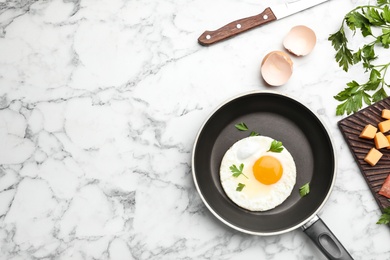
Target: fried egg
x=267, y=177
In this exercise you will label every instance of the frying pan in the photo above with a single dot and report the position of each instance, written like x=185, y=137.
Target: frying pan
x=302, y=133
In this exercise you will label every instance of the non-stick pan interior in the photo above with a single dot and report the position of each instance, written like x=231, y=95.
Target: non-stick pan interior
x=283, y=119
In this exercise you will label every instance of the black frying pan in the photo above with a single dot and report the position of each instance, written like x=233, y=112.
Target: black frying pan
x=302, y=133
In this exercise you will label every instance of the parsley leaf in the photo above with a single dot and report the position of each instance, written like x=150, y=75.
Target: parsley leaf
x=237, y=171
x=240, y=186
x=385, y=217
x=304, y=190
x=276, y=147
x=343, y=55
x=253, y=133
x=386, y=13
x=352, y=97
x=241, y=126
x=383, y=2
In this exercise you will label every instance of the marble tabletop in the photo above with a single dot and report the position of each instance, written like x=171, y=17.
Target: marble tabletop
x=100, y=104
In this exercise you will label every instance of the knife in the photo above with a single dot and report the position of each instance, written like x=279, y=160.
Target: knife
x=269, y=14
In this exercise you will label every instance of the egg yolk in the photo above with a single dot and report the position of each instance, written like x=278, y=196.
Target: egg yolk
x=267, y=170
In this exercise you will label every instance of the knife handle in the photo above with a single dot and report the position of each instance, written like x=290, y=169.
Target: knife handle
x=236, y=27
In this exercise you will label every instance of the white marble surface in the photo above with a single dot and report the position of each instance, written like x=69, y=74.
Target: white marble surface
x=100, y=103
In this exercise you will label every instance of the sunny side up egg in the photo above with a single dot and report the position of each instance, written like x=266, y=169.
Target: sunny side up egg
x=268, y=177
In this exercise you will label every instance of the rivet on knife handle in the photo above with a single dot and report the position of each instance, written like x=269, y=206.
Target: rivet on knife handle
x=236, y=27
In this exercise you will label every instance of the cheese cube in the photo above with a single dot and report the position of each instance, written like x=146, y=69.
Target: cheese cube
x=388, y=139
x=381, y=141
x=384, y=126
x=373, y=156
x=368, y=132
x=386, y=113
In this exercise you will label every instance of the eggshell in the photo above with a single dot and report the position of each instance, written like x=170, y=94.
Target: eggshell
x=300, y=40
x=276, y=68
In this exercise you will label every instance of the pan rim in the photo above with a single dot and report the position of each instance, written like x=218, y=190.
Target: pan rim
x=220, y=218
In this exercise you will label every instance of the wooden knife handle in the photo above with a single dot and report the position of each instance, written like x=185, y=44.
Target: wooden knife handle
x=236, y=27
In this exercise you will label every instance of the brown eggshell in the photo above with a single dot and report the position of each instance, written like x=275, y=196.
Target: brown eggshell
x=300, y=40
x=276, y=68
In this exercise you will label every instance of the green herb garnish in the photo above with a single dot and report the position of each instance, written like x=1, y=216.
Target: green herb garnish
x=241, y=126
x=237, y=171
x=385, y=217
x=276, y=147
x=240, y=186
x=304, y=190
x=364, y=19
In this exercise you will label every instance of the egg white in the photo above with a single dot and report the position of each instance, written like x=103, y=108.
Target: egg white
x=256, y=196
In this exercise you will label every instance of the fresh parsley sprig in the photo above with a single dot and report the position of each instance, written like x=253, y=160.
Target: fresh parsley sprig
x=237, y=171
x=363, y=19
x=276, y=147
x=385, y=217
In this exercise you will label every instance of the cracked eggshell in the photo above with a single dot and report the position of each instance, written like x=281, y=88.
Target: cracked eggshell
x=300, y=40
x=276, y=68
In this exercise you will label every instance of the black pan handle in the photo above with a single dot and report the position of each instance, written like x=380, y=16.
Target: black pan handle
x=324, y=239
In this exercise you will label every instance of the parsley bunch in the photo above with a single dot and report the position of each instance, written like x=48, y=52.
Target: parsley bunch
x=364, y=19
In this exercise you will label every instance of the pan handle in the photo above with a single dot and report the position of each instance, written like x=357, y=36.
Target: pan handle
x=324, y=239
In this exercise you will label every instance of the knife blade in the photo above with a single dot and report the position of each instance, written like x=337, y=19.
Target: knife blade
x=269, y=14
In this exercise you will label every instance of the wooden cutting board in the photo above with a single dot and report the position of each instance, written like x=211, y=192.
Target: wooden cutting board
x=351, y=128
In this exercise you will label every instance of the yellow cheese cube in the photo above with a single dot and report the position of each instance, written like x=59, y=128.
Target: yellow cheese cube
x=368, y=132
x=373, y=156
x=384, y=126
x=386, y=113
x=388, y=139
x=380, y=140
